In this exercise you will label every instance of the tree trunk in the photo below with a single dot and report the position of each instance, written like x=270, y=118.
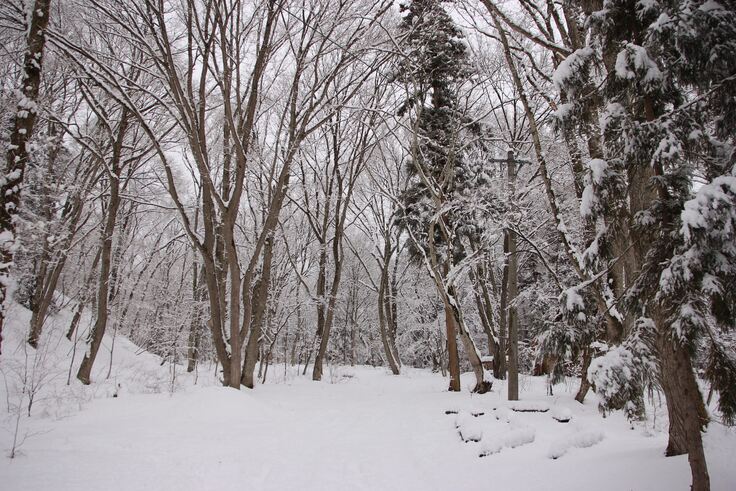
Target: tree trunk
x=687, y=414
x=483, y=304
x=195, y=328
x=471, y=350
x=47, y=287
x=236, y=347
x=584, y=383
x=11, y=183
x=39, y=307
x=260, y=303
x=341, y=207
x=383, y=316
x=392, y=315
x=453, y=360
x=324, y=340
x=98, y=331
x=321, y=290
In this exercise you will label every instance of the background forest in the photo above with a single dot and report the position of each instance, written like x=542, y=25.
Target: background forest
x=275, y=188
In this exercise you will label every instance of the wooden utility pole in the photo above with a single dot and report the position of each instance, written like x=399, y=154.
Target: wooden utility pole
x=510, y=287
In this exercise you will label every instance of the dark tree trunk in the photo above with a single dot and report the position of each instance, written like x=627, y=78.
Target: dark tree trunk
x=47, y=286
x=195, y=329
x=687, y=414
x=103, y=289
x=386, y=313
x=453, y=360
x=584, y=383
x=11, y=183
x=260, y=304
x=384, y=318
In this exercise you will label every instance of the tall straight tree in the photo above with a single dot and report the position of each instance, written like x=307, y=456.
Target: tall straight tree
x=434, y=66
x=11, y=183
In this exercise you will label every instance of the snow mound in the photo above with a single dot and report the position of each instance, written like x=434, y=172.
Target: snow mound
x=529, y=406
x=469, y=427
x=582, y=439
x=503, y=414
x=518, y=437
x=511, y=439
x=490, y=446
x=561, y=414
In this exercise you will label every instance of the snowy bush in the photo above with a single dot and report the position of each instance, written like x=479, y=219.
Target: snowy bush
x=620, y=375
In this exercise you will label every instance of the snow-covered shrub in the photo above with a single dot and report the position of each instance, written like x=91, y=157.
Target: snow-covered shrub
x=721, y=372
x=620, y=375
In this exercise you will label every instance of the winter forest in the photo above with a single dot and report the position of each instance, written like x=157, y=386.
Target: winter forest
x=368, y=244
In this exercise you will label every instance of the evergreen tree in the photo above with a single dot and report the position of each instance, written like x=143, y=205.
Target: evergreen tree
x=434, y=67
x=666, y=112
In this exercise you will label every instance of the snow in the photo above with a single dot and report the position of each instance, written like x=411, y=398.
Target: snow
x=468, y=426
x=634, y=60
x=598, y=169
x=6, y=236
x=573, y=300
x=588, y=202
x=561, y=414
x=707, y=199
x=570, y=66
x=529, y=406
x=610, y=371
x=564, y=110
x=612, y=112
x=710, y=5
x=580, y=439
x=511, y=439
x=361, y=428
x=646, y=5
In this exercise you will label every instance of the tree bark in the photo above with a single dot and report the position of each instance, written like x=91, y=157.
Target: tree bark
x=260, y=304
x=195, y=328
x=485, y=312
x=584, y=383
x=17, y=155
x=687, y=414
x=453, y=360
x=47, y=286
x=98, y=331
x=384, y=317
x=330, y=315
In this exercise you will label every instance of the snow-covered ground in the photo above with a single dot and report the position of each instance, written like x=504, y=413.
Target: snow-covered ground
x=361, y=428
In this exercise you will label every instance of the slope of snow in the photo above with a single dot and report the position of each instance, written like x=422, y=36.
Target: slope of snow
x=361, y=429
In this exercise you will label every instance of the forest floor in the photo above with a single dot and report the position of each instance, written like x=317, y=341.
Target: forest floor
x=360, y=429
